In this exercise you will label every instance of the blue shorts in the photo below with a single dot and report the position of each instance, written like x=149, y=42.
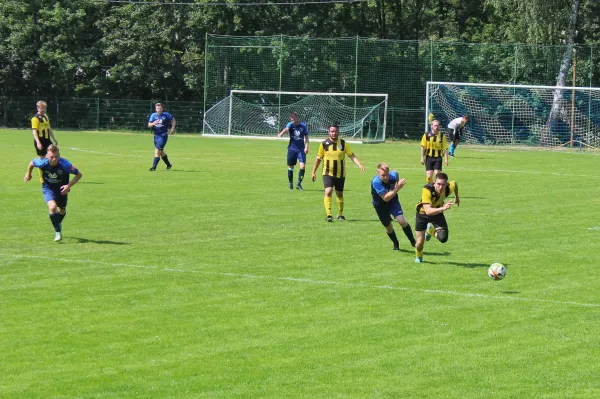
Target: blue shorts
x=51, y=194
x=385, y=209
x=160, y=141
x=294, y=155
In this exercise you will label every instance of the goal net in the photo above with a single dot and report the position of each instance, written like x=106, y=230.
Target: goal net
x=360, y=116
x=518, y=114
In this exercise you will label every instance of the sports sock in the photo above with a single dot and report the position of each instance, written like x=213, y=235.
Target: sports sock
x=452, y=149
x=61, y=217
x=419, y=253
x=41, y=175
x=166, y=160
x=340, y=205
x=300, y=176
x=55, y=219
x=394, y=238
x=155, y=162
x=327, y=201
x=409, y=234
x=291, y=174
x=429, y=179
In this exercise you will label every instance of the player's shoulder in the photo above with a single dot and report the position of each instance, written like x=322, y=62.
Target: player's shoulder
x=394, y=174
x=168, y=115
x=40, y=162
x=153, y=115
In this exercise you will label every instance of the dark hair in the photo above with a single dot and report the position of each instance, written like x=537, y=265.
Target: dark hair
x=335, y=125
x=158, y=105
x=442, y=176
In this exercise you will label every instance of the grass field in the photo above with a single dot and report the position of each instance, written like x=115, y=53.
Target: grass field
x=214, y=280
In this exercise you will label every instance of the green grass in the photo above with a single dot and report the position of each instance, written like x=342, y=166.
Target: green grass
x=213, y=280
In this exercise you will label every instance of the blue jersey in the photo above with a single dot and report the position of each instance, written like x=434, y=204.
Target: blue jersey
x=162, y=127
x=297, y=135
x=55, y=176
x=379, y=188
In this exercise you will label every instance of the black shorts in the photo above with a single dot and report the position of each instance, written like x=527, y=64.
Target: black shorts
x=336, y=182
x=44, y=150
x=433, y=163
x=438, y=220
x=453, y=134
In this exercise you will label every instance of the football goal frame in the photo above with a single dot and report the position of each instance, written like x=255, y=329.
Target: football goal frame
x=362, y=117
x=510, y=114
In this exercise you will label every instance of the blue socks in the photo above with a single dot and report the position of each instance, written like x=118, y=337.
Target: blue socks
x=155, y=162
x=291, y=175
x=300, y=176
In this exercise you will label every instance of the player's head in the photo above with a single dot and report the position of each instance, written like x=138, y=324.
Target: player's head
x=465, y=118
x=435, y=125
x=383, y=171
x=53, y=154
x=333, y=131
x=441, y=180
x=294, y=117
x=41, y=106
x=159, y=108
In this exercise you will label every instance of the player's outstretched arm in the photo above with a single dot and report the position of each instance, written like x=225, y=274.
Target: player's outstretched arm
x=314, y=170
x=28, y=173
x=354, y=159
x=173, y=123
x=284, y=131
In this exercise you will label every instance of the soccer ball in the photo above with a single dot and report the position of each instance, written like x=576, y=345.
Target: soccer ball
x=497, y=271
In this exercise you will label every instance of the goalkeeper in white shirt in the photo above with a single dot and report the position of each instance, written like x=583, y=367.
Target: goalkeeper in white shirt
x=455, y=129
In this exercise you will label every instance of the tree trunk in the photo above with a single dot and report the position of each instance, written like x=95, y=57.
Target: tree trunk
x=559, y=112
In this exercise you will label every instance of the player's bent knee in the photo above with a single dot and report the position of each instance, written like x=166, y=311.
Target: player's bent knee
x=442, y=235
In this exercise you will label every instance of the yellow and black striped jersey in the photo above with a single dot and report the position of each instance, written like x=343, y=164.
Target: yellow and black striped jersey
x=333, y=155
x=434, y=144
x=430, y=196
x=41, y=123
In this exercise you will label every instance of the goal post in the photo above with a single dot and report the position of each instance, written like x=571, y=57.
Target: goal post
x=260, y=113
x=518, y=114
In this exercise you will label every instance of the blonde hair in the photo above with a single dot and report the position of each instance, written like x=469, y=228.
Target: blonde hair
x=383, y=166
x=41, y=104
x=53, y=149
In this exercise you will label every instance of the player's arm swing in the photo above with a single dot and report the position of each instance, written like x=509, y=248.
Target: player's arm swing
x=173, y=123
x=67, y=187
x=387, y=197
x=357, y=162
x=29, y=170
x=314, y=170
x=284, y=131
x=306, y=141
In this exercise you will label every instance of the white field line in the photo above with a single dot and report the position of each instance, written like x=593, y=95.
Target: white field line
x=402, y=167
x=309, y=281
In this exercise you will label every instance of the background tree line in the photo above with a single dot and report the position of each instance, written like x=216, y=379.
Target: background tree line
x=95, y=48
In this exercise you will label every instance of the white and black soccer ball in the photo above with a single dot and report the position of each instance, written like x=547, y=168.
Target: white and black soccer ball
x=497, y=271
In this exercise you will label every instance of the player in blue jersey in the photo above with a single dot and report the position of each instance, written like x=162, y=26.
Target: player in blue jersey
x=297, y=148
x=384, y=190
x=159, y=122
x=56, y=186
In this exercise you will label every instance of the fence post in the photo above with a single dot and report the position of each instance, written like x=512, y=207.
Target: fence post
x=205, y=77
x=356, y=81
x=97, y=113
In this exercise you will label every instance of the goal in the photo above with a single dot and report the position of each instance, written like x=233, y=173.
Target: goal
x=518, y=114
x=250, y=113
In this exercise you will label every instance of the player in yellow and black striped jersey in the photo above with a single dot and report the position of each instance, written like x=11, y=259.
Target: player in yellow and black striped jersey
x=333, y=152
x=433, y=148
x=431, y=221
x=40, y=128
x=42, y=133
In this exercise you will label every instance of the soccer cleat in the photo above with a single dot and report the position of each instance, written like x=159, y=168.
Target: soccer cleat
x=291, y=186
x=414, y=243
x=152, y=169
x=299, y=187
x=57, y=236
x=429, y=232
x=396, y=248
x=169, y=167
x=452, y=155
x=418, y=260
x=340, y=217
x=329, y=218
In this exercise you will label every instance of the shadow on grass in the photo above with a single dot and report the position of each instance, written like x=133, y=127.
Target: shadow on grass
x=103, y=242
x=469, y=265
x=89, y=182
x=187, y=171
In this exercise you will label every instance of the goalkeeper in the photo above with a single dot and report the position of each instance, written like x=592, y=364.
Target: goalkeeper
x=455, y=129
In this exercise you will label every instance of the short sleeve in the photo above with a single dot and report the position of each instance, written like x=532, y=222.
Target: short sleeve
x=394, y=176
x=378, y=186
x=348, y=150
x=425, y=196
x=452, y=186
x=289, y=125
x=38, y=163
x=152, y=118
x=35, y=123
x=424, y=141
x=321, y=152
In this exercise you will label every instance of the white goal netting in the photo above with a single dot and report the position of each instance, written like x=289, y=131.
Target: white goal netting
x=519, y=114
x=361, y=116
